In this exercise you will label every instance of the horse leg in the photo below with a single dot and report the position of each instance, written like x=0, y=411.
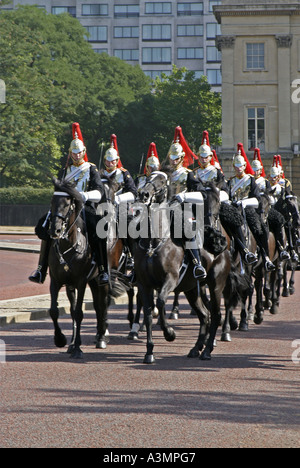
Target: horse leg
x=59, y=338
x=147, y=300
x=134, y=332
x=130, y=315
x=71, y=293
x=259, y=308
x=292, y=280
x=174, y=315
x=76, y=352
x=215, y=300
x=276, y=279
x=285, y=288
x=100, y=300
x=197, y=305
x=169, y=332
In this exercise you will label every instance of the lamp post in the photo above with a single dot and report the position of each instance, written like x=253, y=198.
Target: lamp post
x=2, y=92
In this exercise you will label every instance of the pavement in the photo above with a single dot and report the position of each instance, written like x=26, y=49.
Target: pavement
x=35, y=307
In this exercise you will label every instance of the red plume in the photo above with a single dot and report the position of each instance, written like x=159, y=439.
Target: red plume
x=258, y=157
x=279, y=163
x=205, y=136
x=215, y=161
x=248, y=169
x=152, y=151
x=76, y=129
x=189, y=157
x=114, y=144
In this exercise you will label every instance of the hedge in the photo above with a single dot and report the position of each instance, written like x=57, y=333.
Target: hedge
x=25, y=196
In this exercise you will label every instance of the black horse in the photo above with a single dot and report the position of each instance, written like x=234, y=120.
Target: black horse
x=158, y=262
x=71, y=264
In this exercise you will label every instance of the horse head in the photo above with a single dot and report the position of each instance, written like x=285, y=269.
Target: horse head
x=66, y=203
x=155, y=188
x=211, y=204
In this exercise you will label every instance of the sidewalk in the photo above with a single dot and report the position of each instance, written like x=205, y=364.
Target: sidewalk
x=25, y=309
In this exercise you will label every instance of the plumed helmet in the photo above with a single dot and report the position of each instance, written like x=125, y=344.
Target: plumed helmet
x=239, y=160
x=176, y=151
x=275, y=171
x=152, y=158
x=256, y=165
x=76, y=145
x=205, y=150
x=112, y=153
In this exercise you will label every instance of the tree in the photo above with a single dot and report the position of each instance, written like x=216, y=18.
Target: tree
x=178, y=99
x=53, y=78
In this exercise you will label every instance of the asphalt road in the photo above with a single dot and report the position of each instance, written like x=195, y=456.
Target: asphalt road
x=246, y=396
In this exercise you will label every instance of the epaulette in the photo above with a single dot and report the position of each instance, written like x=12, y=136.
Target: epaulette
x=123, y=169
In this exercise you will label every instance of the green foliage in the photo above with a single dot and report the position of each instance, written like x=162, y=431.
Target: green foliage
x=25, y=196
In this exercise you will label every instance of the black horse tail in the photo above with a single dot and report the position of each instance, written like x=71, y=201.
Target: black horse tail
x=119, y=284
x=237, y=287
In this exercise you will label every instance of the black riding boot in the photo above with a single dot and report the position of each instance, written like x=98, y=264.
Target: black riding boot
x=39, y=275
x=99, y=249
x=199, y=271
x=248, y=257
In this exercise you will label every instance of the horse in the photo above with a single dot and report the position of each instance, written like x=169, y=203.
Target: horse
x=71, y=264
x=158, y=260
x=288, y=207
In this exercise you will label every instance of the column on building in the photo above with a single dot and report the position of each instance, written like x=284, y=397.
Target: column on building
x=284, y=43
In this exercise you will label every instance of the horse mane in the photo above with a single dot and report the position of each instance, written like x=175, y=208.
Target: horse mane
x=68, y=187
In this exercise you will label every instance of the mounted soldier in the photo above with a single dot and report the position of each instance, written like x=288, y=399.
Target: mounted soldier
x=125, y=189
x=244, y=192
x=272, y=216
x=182, y=182
x=152, y=164
x=86, y=179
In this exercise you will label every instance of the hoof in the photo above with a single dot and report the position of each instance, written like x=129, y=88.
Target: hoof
x=258, y=319
x=274, y=309
x=77, y=354
x=285, y=292
x=70, y=349
x=60, y=341
x=133, y=336
x=101, y=344
x=205, y=356
x=292, y=291
x=149, y=359
x=243, y=327
x=169, y=334
x=194, y=353
x=226, y=337
x=174, y=316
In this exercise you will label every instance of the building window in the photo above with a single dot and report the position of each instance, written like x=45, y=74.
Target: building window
x=256, y=128
x=126, y=11
x=126, y=32
x=213, y=3
x=96, y=33
x=212, y=30
x=185, y=30
x=191, y=53
x=255, y=56
x=156, y=55
x=156, y=32
x=189, y=9
x=101, y=51
x=92, y=9
x=58, y=10
x=213, y=54
x=158, y=8
x=214, y=77
x=157, y=73
x=127, y=54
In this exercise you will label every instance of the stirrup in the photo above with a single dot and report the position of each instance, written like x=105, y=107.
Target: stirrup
x=269, y=265
x=284, y=255
x=250, y=258
x=37, y=276
x=199, y=272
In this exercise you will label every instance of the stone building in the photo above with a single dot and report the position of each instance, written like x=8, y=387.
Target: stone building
x=260, y=44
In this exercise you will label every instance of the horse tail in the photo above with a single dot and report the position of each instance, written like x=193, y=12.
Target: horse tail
x=237, y=287
x=119, y=284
